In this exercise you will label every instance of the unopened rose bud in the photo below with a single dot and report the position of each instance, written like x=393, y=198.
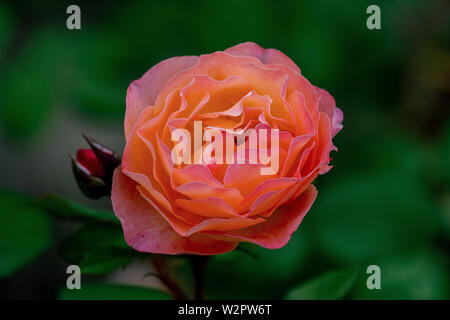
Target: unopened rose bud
x=92, y=186
x=93, y=169
x=107, y=158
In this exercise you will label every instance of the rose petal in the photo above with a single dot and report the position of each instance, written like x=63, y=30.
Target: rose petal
x=277, y=230
x=304, y=123
x=210, y=207
x=200, y=190
x=225, y=225
x=194, y=172
x=266, y=56
x=327, y=104
x=270, y=185
x=145, y=230
x=321, y=154
x=338, y=116
x=245, y=177
x=295, y=152
x=143, y=92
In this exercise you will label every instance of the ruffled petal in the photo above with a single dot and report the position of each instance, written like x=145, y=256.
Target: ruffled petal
x=327, y=104
x=145, y=230
x=218, y=225
x=266, y=56
x=276, y=231
x=198, y=190
x=143, y=92
x=212, y=207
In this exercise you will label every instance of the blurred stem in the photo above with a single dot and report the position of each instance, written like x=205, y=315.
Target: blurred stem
x=198, y=265
x=160, y=264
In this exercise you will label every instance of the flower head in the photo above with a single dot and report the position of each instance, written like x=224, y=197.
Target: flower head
x=178, y=192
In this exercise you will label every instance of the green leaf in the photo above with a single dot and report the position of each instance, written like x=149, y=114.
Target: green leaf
x=106, y=291
x=418, y=274
x=64, y=208
x=26, y=232
x=332, y=285
x=98, y=248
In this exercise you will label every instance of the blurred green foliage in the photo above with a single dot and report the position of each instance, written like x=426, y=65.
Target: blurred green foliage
x=26, y=232
x=350, y=215
x=66, y=209
x=6, y=26
x=386, y=201
x=97, y=248
x=331, y=285
x=278, y=268
x=420, y=273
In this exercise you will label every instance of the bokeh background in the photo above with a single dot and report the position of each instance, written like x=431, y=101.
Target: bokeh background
x=385, y=202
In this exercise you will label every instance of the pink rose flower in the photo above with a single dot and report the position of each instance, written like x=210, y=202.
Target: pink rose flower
x=208, y=208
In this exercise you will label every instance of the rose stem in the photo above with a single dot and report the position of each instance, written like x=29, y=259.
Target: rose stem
x=198, y=265
x=161, y=269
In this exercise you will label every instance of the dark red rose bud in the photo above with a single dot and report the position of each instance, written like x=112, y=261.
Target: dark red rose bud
x=92, y=186
x=88, y=159
x=108, y=158
x=94, y=168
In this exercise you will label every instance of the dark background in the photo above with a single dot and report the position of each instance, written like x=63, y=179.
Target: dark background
x=385, y=202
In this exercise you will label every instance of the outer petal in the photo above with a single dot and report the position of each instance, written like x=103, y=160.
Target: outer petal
x=338, y=116
x=143, y=92
x=145, y=230
x=266, y=56
x=328, y=106
x=277, y=230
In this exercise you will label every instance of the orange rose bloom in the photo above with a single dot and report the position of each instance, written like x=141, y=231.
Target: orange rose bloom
x=208, y=208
